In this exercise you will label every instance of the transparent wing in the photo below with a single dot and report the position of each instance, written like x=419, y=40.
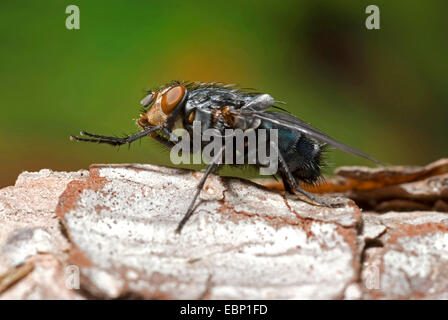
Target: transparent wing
x=289, y=121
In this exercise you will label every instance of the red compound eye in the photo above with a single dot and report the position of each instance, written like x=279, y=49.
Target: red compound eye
x=172, y=97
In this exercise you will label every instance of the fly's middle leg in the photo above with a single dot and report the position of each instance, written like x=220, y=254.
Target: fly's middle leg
x=212, y=167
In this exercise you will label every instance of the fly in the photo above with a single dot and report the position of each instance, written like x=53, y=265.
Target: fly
x=220, y=107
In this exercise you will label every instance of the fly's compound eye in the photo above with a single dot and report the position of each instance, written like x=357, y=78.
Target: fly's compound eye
x=172, y=97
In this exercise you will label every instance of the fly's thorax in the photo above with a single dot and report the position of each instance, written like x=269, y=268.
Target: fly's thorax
x=220, y=118
x=245, y=123
x=164, y=104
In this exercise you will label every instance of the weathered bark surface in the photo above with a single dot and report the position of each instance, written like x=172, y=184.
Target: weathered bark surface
x=115, y=225
x=242, y=242
x=33, y=250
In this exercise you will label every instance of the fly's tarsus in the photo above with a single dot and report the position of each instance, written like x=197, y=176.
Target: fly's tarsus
x=83, y=133
x=114, y=141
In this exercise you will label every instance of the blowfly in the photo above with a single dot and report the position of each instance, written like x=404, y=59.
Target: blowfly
x=217, y=106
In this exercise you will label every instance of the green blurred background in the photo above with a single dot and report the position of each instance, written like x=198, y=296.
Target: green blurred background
x=382, y=91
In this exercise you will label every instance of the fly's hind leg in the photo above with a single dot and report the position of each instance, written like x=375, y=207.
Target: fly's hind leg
x=291, y=185
x=309, y=197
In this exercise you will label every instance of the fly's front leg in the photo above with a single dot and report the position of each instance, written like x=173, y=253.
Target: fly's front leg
x=212, y=167
x=167, y=143
x=115, y=141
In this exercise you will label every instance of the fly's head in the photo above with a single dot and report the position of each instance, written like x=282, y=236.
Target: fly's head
x=163, y=106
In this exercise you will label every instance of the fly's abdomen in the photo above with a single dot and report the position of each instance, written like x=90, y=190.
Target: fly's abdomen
x=305, y=159
x=302, y=154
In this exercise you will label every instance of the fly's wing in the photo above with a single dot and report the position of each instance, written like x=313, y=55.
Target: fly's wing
x=288, y=121
x=259, y=103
